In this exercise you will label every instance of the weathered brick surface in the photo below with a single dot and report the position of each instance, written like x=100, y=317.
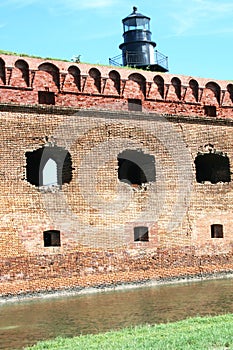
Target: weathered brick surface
x=113, y=88
x=95, y=212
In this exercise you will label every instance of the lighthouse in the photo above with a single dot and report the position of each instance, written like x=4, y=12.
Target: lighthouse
x=138, y=50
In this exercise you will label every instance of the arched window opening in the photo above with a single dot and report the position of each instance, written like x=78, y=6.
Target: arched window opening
x=75, y=72
x=136, y=167
x=24, y=68
x=115, y=77
x=96, y=76
x=52, y=238
x=215, y=88
x=230, y=90
x=216, y=231
x=53, y=70
x=141, y=234
x=141, y=80
x=212, y=167
x=2, y=71
x=177, y=86
x=193, y=84
x=49, y=173
x=159, y=81
x=48, y=165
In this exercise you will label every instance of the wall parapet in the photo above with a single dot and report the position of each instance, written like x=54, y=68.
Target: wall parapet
x=78, y=85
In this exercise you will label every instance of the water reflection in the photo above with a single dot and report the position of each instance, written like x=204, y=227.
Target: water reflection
x=24, y=323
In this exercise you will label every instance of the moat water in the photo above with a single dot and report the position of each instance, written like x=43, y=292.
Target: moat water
x=26, y=322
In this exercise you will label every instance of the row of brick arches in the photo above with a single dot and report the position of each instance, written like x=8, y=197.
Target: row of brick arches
x=48, y=76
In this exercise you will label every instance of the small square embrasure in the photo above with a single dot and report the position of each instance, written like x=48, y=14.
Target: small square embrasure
x=52, y=238
x=141, y=234
x=216, y=231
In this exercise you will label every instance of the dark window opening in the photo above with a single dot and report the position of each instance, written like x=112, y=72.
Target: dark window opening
x=177, y=86
x=38, y=160
x=136, y=167
x=159, y=81
x=210, y=111
x=140, y=80
x=52, y=238
x=46, y=97
x=53, y=71
x=23, y=66
x=75, y=72
x=134, y=105
x=2, y=71
x=115, y=77
x=215, y=88
x=96, y=76
x=230, y=90
x=195, y=87
x=141, y=234
x=212, y=167
x=216, y=231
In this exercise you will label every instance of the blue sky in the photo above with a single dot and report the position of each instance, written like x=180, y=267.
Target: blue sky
x=196, y=35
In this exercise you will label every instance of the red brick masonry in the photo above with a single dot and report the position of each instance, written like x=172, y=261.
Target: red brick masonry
x=96, y=113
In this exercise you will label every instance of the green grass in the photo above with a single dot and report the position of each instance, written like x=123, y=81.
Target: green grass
x=3, y=52
x=11, y=53
x=207, y=333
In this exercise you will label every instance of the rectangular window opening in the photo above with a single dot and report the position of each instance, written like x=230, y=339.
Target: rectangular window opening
x=52, y=238
x=210, y=111
x=141, y=234
x=46, y=97
x=134, y=105
x=216, y=231
x=135, y=167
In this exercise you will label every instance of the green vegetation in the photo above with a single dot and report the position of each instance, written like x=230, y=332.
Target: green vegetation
x=3, y=52
x=26, y=55
x=205, y=333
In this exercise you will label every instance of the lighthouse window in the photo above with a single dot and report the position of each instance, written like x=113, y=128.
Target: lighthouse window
x=134, y=22
x=134, y=105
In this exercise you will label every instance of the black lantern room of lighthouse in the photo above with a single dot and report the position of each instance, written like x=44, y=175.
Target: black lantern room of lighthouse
x=138, y=49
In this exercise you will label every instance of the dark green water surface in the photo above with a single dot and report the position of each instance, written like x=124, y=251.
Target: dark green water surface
x=24, y=323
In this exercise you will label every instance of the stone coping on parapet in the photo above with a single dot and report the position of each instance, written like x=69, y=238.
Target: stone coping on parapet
x=103, y=288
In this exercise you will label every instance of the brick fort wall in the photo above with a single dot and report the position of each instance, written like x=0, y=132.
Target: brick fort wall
x=128, y=203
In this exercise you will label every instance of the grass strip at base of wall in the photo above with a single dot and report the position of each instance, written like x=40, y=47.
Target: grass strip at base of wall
x=204, y=333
